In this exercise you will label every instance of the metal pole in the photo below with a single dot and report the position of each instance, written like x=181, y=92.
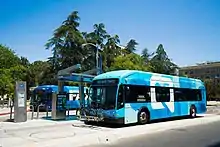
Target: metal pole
x=32, y=111
x=47, y=111
x=11, y=106
x=2, y=103
x=68, y=110
x=97, y=59
x=97, y=55
x=100, y=64
x=7, y=103
x=38, y=109
x=78, y=112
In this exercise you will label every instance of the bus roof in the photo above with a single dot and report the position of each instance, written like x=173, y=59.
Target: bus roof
x=54, y=88
x=137, y=77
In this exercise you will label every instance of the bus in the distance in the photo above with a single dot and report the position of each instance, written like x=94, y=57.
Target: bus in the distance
x=131, y=96
x=42, y=95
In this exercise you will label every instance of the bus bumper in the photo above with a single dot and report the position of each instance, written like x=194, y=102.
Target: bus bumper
x=91, y=118
x=105, y=120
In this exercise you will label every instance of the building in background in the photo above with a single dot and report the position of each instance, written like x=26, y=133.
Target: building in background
x=208, y=70
x=209, y=73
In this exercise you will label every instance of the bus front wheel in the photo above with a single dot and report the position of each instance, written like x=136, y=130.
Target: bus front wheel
x=143, y=116
x=193, y=112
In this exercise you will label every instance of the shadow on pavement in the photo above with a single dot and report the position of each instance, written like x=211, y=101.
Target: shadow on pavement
x=217, y=144
x=68, y=118
x=9, y=120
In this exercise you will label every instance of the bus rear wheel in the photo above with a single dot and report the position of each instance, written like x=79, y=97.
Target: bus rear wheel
x=143, y=117
x=193, y=112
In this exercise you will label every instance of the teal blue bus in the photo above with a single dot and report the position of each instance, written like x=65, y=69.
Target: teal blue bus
x=132, y=96
x=42, y=95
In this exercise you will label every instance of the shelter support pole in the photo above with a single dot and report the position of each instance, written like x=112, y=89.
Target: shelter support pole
x=81, y=92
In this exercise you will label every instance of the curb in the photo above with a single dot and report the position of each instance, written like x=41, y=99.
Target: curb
x=5, y=113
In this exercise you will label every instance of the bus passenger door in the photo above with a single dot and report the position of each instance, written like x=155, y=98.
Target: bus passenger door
x=130, y=115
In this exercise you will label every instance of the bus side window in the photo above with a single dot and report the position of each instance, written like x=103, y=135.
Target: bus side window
x=197, y=95
x=162, y=94
x=136, y=93
x=179, y=95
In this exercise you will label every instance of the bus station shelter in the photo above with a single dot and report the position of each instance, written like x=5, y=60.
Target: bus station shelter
x=69, y=75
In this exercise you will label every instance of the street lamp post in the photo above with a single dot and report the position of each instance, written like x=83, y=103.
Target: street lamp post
x=97, y=54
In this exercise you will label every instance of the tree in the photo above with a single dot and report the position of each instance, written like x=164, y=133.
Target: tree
x=8, y=58
x=111, y=51
x=130, y=62
x=18, y=72
x=24, y=61
x=8, y=79
x=212, y=89
x=6, y=83
x=37, y=72
x=146, y=55
x=11, y=70
x=67, y=49
x=98, y=37
x=66, y=43
x=131, y=46
x=161, y=62
x=48, y=76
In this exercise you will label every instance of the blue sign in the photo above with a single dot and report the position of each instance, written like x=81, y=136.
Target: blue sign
x=61, y=101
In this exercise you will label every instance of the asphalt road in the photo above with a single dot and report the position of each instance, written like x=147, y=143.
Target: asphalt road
x=200, y=136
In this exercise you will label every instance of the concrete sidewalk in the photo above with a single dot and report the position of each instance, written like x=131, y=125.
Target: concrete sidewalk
x=213, y=103
x=44, y=133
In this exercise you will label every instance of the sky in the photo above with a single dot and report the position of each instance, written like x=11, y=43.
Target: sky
x=188, y=29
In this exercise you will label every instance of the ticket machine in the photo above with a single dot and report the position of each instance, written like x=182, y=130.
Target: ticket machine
x=20, y=102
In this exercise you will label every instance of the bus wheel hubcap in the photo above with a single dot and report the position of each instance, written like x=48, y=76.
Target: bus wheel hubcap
x=143, y=116
x=193, y=112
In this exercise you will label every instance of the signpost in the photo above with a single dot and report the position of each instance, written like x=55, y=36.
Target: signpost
x=59, y=104
x=20, y=102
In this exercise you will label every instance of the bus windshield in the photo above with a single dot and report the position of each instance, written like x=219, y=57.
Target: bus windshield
x=41, y=97
x=103, y=97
